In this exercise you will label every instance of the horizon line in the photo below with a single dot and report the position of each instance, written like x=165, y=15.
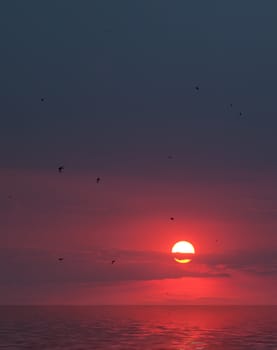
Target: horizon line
x=135, y=305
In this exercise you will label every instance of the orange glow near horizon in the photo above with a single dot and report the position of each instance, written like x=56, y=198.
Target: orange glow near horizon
x=182, y=248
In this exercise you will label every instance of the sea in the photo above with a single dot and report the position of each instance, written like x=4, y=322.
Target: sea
x=138, y=327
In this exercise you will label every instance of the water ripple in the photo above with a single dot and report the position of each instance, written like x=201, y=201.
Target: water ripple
x=153, y=328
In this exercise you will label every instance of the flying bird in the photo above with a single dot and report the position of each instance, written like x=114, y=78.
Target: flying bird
x=241, y=115
x=60, y=259
x=171, y=218
x=42, y=99
x=98, y=180
x=197, y=88
x=113, y=261
x=61, y=168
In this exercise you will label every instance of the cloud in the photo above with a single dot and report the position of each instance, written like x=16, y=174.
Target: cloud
x=261, y=262
x=32, y=266
x=214, y=301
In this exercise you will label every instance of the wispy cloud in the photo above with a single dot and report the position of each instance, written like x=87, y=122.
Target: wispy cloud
x=25, y=266
x=242, y=260
x=30, y=266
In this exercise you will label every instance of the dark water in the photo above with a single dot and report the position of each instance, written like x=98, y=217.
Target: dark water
x=141, y=327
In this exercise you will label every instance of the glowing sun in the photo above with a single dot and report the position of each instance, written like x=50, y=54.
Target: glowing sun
x=182, y=250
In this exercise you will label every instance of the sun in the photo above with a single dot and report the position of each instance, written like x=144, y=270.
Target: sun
x=182, y=250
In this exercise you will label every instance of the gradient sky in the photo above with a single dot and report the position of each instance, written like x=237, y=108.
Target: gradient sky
x=118, y=81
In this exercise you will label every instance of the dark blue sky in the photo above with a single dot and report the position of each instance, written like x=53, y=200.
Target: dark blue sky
x=118, y=80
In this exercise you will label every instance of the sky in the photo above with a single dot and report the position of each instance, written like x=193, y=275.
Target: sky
x=108, y=89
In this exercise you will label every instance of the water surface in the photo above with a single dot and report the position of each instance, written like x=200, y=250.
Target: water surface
x=138, y=327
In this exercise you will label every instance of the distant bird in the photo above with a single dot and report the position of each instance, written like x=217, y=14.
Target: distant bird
x=231, y=104
x=98, y=180
x=242, y=116
x=60, y=259
x=171, y=218
x=170, y=157
x=113, y=261
x=61, y=168
x=42, y=99
x=197, y=88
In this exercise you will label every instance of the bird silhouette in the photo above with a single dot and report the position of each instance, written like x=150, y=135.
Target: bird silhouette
x=42, y=99
x=113, y=261
x=197, y=88
x=61, y=168
x=98, y=180
x=242, y=116
x=171, y=218
x=231, y=104
x=60, y=259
